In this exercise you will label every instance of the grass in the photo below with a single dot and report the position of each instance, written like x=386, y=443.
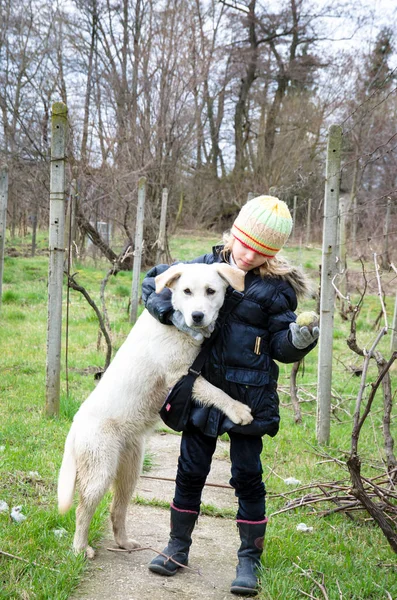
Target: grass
x=351, y=556
x=29, y=441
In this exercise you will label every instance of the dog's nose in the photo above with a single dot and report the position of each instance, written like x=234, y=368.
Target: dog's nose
x=197, y=316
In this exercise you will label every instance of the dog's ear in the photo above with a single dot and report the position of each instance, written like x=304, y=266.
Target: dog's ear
x=232, y=276
x=168, y=278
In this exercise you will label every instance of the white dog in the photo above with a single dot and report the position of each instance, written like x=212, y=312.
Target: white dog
x=105, y=443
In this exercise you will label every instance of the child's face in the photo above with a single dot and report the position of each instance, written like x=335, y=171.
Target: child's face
x=245, y=258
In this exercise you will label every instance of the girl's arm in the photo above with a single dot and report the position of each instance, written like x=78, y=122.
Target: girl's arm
x=281, y=346
x=283, y=350
x=159, y=305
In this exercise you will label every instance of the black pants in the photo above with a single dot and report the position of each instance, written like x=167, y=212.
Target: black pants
x=194, y=465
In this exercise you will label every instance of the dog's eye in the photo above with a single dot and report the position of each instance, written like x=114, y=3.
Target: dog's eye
x=210, y=292
x=187, y=292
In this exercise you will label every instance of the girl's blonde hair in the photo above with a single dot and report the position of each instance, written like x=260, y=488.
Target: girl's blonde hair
x=271, y=267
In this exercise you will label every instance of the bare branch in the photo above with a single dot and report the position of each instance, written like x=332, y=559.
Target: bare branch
x=75, y=286
x=380, y=293
x=357, y=421
x=236, y=6
x=293, y=392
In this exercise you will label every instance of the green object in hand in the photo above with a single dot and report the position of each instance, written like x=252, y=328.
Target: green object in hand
x=308, y=319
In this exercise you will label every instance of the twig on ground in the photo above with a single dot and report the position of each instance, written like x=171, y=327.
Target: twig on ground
x=333, y=499
x=388, y=594
x=308, y=595
x=274, y=464
x=28, y=562
x=342, y=495
x=170, y=479
x=321, y=586
x=156, y=552
x=324, y=454
x=340, y=591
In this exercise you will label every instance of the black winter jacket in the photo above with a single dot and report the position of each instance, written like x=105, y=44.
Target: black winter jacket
x=241, y=364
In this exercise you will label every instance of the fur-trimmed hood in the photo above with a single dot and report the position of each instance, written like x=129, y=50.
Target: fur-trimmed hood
x=301, y=283
x=280, y=268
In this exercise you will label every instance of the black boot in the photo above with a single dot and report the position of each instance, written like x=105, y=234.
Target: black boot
x=249, y=557
x=182, y=525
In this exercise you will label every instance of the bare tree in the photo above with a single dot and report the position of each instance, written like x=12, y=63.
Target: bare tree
x=209, y=99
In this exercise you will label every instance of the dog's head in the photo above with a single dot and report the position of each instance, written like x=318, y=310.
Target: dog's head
x=198, y=290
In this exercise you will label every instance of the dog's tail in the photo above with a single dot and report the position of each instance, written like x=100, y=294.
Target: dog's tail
x=67, y=476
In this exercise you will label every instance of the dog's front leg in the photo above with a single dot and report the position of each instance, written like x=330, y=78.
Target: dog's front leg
x=209, y=395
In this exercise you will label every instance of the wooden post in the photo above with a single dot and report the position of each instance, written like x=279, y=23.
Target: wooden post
x=300, y=254
x=13, y=210
x=393, y=344
x=354, y=227
x=353, y=207
x=385, y=255
x=308, y=221
x=342, y=282
x=179, y=213
x=328, y=269
x=59, y=126
x=70, y=223
x=34, y=221
x=3, y=218
x=138, y=249
x=294, y=216
x=34, y=235
x=163, y=224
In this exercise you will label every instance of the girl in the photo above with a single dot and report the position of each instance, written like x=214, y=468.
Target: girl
x=259, y=330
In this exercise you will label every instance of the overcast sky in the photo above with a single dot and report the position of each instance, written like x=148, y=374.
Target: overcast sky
x=381, y=13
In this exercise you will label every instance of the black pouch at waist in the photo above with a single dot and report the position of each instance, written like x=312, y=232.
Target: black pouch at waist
x=175, y=411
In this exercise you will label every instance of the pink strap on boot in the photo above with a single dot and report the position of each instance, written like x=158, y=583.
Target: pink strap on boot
x=182, y=510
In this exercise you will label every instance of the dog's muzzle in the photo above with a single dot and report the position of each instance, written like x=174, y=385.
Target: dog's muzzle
x=197, y=317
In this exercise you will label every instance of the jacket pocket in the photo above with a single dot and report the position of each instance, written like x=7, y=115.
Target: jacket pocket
x=247, y=376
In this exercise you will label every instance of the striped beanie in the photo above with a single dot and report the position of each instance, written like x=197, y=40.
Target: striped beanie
x=263, y=224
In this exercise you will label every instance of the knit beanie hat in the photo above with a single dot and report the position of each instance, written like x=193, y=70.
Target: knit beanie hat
x=263, y=224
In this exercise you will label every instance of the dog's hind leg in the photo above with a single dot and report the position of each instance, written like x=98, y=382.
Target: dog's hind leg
x=128, y=471
x=84, y=513
x=95, y=473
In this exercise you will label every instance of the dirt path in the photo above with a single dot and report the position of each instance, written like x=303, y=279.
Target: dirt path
x=124, y=576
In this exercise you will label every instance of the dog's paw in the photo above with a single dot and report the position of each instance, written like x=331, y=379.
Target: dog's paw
x=240, y=413
x=128, y=544
x=88, y=551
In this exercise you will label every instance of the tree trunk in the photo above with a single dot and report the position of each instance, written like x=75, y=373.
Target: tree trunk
x=84, y=139
x=240, y=113
x=271, y=124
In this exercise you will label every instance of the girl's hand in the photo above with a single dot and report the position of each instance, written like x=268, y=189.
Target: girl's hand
x=302, y=337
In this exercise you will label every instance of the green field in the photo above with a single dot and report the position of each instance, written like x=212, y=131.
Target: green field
x=352, y=556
